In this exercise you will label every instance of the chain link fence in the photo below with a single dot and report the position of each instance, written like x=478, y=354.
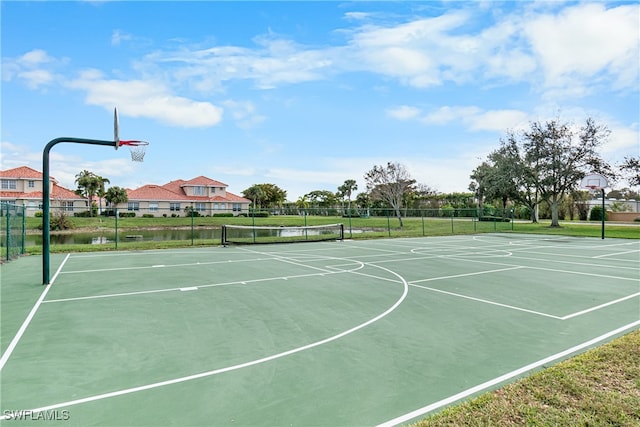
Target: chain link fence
x=12, y=231
x=122, y=229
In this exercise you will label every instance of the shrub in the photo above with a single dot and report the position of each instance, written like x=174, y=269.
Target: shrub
x=260, y=214
x=494, y=218
x=596, y=214
x=38, y=214
x=148, y=216
x=447, y=211
x=127, y=214
x=222, y=215
x=60, y=221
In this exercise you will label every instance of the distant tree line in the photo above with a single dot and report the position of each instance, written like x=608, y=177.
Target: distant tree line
x=535, y=173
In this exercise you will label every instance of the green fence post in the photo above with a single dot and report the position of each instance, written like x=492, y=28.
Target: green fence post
x=116, y=217
x=8, y=230
x=388, y=223
x=192, y=213
x=512, y=219
x=24, y=231
x=253, y=222
x=452, y=232
x=422, y=216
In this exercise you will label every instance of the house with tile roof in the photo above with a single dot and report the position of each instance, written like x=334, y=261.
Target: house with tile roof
x=203, y=195
x=22, y=186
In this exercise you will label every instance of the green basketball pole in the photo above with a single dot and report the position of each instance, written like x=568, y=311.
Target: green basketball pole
x=46, y=195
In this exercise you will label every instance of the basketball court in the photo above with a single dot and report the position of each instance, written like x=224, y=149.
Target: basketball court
x=343, y=333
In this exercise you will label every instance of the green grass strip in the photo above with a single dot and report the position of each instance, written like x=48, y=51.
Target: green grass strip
x=600, y=387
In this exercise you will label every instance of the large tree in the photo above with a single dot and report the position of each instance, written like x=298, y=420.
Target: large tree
x=558, y=156
x=390, y=184
x=265, y=195
x=256, y=194
x=505, y=175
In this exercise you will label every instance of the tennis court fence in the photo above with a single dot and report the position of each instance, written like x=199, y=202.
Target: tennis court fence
x=12, y=231
x=124, y=229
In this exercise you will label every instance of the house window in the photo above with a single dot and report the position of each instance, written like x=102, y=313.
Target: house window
x=31, y=206
x=133, y=206
x=153, y=207
x=223, y=206
x=201, y=207
x=199, y=191
x=31, y=184
x=174, y=207
x=67, y=206
x=237, y=207
x=9, y=184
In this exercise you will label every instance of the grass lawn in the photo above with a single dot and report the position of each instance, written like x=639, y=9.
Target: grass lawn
x=598, y=388
x=355, y=228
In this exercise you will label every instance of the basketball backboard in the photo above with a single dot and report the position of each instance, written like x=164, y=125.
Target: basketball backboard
x=594, y=182
x=116, y=130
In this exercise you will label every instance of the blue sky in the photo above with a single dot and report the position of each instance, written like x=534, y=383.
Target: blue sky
x=306, y=95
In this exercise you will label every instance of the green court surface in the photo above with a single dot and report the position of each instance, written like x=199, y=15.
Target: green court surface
x=351, y=333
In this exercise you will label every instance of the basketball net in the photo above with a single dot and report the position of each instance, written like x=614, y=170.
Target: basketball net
x=137, y=148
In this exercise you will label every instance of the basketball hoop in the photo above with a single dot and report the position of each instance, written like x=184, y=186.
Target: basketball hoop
x=137, y=148
x=594, y=182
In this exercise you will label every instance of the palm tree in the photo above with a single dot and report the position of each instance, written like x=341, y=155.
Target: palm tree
x=101, y=191
x=116, y=195
x=88, y=185
x=346, y=189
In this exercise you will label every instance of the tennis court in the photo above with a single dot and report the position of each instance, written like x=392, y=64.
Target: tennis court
x=344, y=333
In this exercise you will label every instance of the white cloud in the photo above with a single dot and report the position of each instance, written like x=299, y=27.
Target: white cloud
x=446, y=114
x=586, y=40
x=497, y=120
x=403, y=112
x=118, y=36
x=148, y=98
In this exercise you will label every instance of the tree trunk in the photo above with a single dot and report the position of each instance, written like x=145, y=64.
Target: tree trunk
x=554, y=213
x=399, y=215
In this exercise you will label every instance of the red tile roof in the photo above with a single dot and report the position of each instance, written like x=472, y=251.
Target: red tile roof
x=57, y=192
x=153, y=192
x=173, y=190
x=203, y=180
x=23, y=172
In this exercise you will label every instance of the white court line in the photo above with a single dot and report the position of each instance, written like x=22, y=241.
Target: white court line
x=598, y=307
x=511, y=307
x=144, y=267
x=506, y=377
x=210, y=285
x=569, y=316
x=32, y=313
x=616, y=253
x=517, y=267
x=234, y=367
x=515, y=257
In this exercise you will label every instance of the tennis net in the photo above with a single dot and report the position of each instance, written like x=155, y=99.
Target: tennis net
x=247, y=234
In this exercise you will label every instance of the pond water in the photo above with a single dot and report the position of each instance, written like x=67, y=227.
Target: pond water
x=103, y=237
